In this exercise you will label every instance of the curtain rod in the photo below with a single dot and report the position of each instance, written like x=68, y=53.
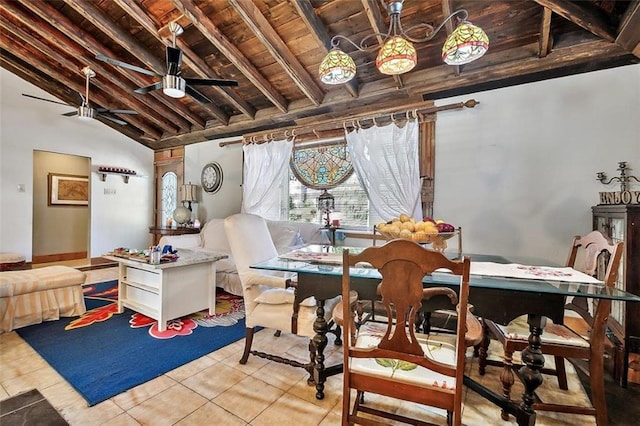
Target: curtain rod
x=353, y=121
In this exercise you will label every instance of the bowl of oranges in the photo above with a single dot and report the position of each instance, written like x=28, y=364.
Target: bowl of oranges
x=422, y=231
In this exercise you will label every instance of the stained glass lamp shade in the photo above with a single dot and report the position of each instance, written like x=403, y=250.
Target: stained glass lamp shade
x=337, y=68
x=396, y=56
x=467, y=43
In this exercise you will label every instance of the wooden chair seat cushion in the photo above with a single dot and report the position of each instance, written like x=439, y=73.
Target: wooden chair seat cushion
x=338, y=310
x=518, y=329
x=437, y=347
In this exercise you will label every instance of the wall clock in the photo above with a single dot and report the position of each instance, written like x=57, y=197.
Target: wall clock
x=211, y=177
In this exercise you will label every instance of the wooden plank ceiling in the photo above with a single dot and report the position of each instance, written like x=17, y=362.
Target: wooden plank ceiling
x=273, y=48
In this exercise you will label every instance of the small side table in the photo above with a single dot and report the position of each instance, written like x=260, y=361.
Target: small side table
x=159, y=231
x=331, y=231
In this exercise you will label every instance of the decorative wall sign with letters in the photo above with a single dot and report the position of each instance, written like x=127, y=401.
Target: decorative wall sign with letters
x=624, y=196
x=620, y=197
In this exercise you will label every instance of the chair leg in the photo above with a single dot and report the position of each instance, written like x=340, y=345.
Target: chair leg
x=346, y=404
x=483, y=349
x=596, y=381
x=248, y=340
x=338, y=333
x=561, y=372
x=507, y=379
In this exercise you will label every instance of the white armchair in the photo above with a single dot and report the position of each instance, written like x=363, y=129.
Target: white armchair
x=268, y=295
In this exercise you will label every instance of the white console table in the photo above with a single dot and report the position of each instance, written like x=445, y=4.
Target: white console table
x=168, y=290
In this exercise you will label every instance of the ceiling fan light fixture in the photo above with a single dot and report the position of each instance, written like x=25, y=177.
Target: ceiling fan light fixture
x=396, y=56
x=465, y=44
x=174, y=86
x=337, y=67
x=85, y=112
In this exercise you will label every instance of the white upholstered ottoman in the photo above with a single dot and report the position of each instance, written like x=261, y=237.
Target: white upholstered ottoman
x=9, y=260
x=36, y=295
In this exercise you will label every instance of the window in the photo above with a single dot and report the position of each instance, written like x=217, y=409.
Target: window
x=169, y=195
x=350, y=200
x=315, y=166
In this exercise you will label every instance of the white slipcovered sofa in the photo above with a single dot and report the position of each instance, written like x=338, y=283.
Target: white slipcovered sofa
x=286, y=236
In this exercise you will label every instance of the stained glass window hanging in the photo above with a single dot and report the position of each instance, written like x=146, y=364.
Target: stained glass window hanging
x=321, y=167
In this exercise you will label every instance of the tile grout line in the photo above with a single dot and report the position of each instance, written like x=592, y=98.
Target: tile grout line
x=23, y=407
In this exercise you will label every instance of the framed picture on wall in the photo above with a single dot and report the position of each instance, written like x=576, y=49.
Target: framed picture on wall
x=68, y=190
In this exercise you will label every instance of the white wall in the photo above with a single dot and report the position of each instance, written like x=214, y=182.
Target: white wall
x=228, y=199
x=518, y=172
x=120, y=219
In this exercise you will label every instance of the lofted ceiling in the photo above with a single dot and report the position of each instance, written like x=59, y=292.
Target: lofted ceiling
x=273, y=48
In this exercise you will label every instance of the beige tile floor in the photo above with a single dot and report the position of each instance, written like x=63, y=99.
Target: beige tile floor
x=215, y=389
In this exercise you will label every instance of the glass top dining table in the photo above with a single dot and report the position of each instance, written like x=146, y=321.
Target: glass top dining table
x=498, y=298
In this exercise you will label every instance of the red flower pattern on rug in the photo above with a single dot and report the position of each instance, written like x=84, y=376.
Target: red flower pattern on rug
x=229, y=309
x=95, y=315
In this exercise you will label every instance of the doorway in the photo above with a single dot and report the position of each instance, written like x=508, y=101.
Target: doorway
x=61, y=209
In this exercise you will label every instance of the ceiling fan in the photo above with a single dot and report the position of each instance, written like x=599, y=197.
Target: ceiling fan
x=85, y=110
x=172, y=83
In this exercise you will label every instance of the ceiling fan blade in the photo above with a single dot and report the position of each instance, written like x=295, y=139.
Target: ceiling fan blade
x=71, y=114
x=115, y=120
x=47, y=100
x=210, y=82
x=115, y=111
x=174, y=60
x=118, y=63
x=150, y=88
x=197, y=95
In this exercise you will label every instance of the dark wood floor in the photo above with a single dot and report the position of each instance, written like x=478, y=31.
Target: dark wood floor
x=623, y=405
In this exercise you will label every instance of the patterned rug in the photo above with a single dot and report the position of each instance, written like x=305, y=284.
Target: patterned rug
x=103, y=353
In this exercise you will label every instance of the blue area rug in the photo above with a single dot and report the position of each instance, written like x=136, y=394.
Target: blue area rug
x=103, y=353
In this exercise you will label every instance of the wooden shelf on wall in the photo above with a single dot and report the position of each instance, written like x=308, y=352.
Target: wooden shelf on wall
x=103, y=171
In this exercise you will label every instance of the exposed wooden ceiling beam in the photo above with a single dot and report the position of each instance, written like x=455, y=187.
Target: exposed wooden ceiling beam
x=376, y=21
x=319, y=32
x=215, y=36
x=446, y=11
x=256, y=21
x=28, y=53
x=495, y=68
x=177, y=112
x=144, y=106
x=424, y=81
x=97, y=17
x=26, y=73
x=51, y=53
x=583, y=16
x=545, y=33
x=629, y=29
x=193, y=61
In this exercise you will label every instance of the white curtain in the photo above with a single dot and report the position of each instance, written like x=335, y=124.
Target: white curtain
x=386, y=162
x=266, y=174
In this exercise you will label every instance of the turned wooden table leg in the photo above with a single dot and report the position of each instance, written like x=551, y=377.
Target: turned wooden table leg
x=534, y=361
x=320, y=326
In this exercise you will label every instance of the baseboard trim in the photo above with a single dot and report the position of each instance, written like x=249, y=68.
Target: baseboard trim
x=59, y=257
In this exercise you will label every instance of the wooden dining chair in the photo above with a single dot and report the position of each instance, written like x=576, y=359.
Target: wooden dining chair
x=392, y=359
x=581, y=337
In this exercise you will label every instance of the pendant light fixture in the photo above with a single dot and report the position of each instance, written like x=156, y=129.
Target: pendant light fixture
x=397, y=54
